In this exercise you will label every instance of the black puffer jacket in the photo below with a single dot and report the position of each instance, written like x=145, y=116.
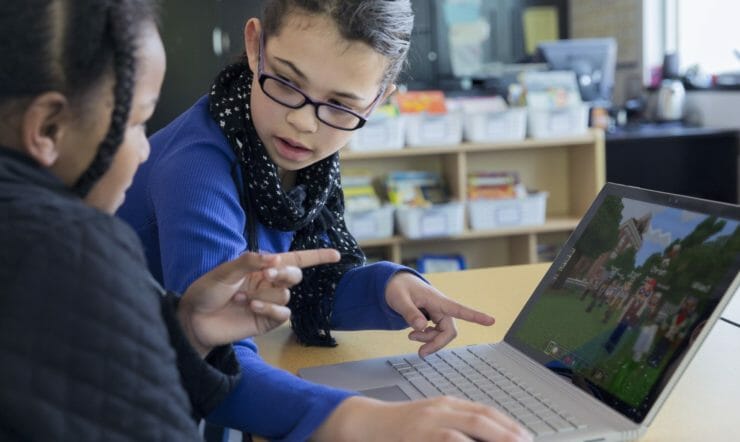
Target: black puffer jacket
x=90, y=348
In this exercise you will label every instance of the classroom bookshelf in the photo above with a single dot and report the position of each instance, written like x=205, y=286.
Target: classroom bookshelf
x=571, y=169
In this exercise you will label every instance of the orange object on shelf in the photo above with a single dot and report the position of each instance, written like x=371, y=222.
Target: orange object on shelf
x=414, y=102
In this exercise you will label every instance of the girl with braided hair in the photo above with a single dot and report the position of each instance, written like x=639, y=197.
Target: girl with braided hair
x=92, y=347
x=254, y=166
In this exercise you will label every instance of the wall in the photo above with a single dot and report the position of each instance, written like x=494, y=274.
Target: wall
x=194, y=53
x=640, y=29
x=720, y=109
x=622, y=20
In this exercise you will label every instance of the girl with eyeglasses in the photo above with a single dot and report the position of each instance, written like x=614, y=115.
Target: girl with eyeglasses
x=254, y=166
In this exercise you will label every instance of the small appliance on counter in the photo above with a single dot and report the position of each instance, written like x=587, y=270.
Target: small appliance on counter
x=670, y=100
x=671, y=93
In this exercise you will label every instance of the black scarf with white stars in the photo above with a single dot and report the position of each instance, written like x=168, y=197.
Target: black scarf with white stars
x=313, y=209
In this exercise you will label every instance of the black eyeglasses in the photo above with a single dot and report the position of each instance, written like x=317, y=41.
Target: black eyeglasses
x=288, y=95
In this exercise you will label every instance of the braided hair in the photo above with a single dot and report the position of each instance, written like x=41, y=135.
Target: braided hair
x=68, y=46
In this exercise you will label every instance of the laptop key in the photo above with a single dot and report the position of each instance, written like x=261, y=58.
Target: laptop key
x=458, y=394
x=448, y=389
x=559, y=423
x=540, y=428
x=514, y=408
x=573, y=421
x=427, y=389
x=479, y=397
x=447, y=373
x=536, y=407
x=470, y=392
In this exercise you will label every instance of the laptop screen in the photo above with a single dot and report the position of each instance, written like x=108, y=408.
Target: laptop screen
x=630, y=289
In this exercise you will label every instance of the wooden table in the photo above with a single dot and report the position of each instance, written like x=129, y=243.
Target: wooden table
x=703, y=406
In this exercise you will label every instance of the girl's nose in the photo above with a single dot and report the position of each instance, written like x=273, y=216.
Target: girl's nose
x=303, y=119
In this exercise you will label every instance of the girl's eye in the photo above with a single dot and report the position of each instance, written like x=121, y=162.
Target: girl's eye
x=287, y=80
x=342, y=105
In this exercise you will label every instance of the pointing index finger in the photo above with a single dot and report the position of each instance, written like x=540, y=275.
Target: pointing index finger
x=459, y=311
x=309, y=258
x=231, y=272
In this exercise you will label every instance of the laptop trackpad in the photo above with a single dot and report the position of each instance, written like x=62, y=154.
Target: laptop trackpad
x=390, y=393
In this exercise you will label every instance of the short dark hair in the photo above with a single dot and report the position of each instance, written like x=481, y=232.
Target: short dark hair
x=67, y=46
x=385, y=25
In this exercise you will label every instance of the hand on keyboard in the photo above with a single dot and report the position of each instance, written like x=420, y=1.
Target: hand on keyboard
x=469, y=373
x=438, y=419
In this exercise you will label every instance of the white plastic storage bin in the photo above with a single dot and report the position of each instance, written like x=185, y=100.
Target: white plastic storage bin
x=438, y=220
x=562, y=122
x=370, y=224
x=508, y=212
x=379, y=133
x=434, y=130
x=507, y=125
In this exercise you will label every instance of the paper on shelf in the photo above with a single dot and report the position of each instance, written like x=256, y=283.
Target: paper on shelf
x=540, y=24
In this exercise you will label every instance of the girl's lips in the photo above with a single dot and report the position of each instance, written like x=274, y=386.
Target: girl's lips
x=290, y=151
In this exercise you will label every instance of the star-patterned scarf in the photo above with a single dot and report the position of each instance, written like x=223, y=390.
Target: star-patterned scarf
x=313, y=209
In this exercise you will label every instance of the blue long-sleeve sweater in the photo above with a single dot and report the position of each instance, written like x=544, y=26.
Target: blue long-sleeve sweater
x=185, y=207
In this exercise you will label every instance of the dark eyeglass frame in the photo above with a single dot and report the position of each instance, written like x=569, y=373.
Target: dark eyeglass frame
x=263, y=76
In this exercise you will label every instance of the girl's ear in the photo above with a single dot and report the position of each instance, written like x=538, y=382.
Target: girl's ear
x=42, y=127
x=388, y=92
x=252, y=33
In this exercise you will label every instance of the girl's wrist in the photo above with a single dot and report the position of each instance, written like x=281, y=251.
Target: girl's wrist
x=185, y=317
x=347, y=420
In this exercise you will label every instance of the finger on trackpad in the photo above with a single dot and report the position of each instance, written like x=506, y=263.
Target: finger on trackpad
x=390, y=393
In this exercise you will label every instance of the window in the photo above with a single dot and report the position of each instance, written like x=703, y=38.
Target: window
x=707, y=34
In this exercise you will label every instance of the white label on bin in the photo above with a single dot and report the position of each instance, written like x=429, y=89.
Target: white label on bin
x=375, y=133
x=434, y=130
x=496, y=125
x=364, y=227
x=559, y=122
x=433, y=224
x=508, y=215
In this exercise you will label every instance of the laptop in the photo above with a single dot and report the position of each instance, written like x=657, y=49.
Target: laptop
x=606, y=334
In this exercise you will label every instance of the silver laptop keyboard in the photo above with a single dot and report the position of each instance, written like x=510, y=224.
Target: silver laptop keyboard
x=466, y=374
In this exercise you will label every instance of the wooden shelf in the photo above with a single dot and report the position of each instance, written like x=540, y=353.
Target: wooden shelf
x=551, y=225
x=399, y=153
x=530, y=143
x=571, y=169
